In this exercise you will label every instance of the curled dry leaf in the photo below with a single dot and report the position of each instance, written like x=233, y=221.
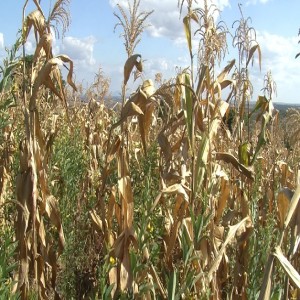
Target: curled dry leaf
x=45, y=43
x=251, y=53
x=67, y=59
x=36, y=20
x=50, y=68
x=133, y=61
x=229, y=158
x=231, y=234
x=176, y=189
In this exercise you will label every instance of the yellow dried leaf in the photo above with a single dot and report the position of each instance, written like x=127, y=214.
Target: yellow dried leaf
x=187, y=30
x=227, y=157
x=232, y=231
x=134, y=60
x=36, y=20
x=96, y=221
x=287, y=266
x=293, y=204
x=45, y=43
x=251, y=53
x=176, y=189
x=283, y=201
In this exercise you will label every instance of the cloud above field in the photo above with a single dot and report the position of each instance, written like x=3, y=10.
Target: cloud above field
x=80, y=50
x=278, y=56
x=1, y=40
x=254, y=2
x=166, y=21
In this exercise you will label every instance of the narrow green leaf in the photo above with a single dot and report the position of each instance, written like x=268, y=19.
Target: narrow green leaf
x=172, y=286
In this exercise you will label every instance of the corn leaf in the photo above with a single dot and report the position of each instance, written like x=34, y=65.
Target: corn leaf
x=293, y=204
x=251, y=53
x=283, y=201
x=287, y=266
x=188, y=107
x=227, y=157
x=231, y=234
x=265, y=291
x=131, y=62
x=187, y=30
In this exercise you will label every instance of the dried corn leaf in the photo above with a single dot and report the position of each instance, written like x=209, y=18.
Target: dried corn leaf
x=121, y=250
x=130, y=109
x=202, y=155
x=228, y=158
x=113, y=149
x=145, y=123
x=287, y=266
x=231, y=234
x=222, y=107
x=172, y=239
x=134, y=60
x=176, y=189
x=96, y=221
x=222, y=76
x=53, y=214
x=36, y=20
x=45, y=78
x=293, y=204
x=67, y=59
x=188, y=105
x=158, y=282
x=283, y=201
x=125, y=189
x=165, y=146
x=187, y=30
x=178, y=92
x=265, y=291
x=157, y=199
x=126, y=278
x=45, y=43
x=224, y=194
x=287, y=174
x=251, y=53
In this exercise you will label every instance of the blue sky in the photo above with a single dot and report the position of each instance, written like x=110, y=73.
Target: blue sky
x=92, y=43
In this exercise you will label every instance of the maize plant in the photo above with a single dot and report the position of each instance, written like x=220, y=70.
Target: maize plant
x=188, y=188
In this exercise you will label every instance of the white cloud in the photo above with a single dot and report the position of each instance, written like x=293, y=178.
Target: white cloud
x=157, y=65
x=278, y=56
x=1, y=40
x=166, y=20
x=80, y=50
x=254, y=2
